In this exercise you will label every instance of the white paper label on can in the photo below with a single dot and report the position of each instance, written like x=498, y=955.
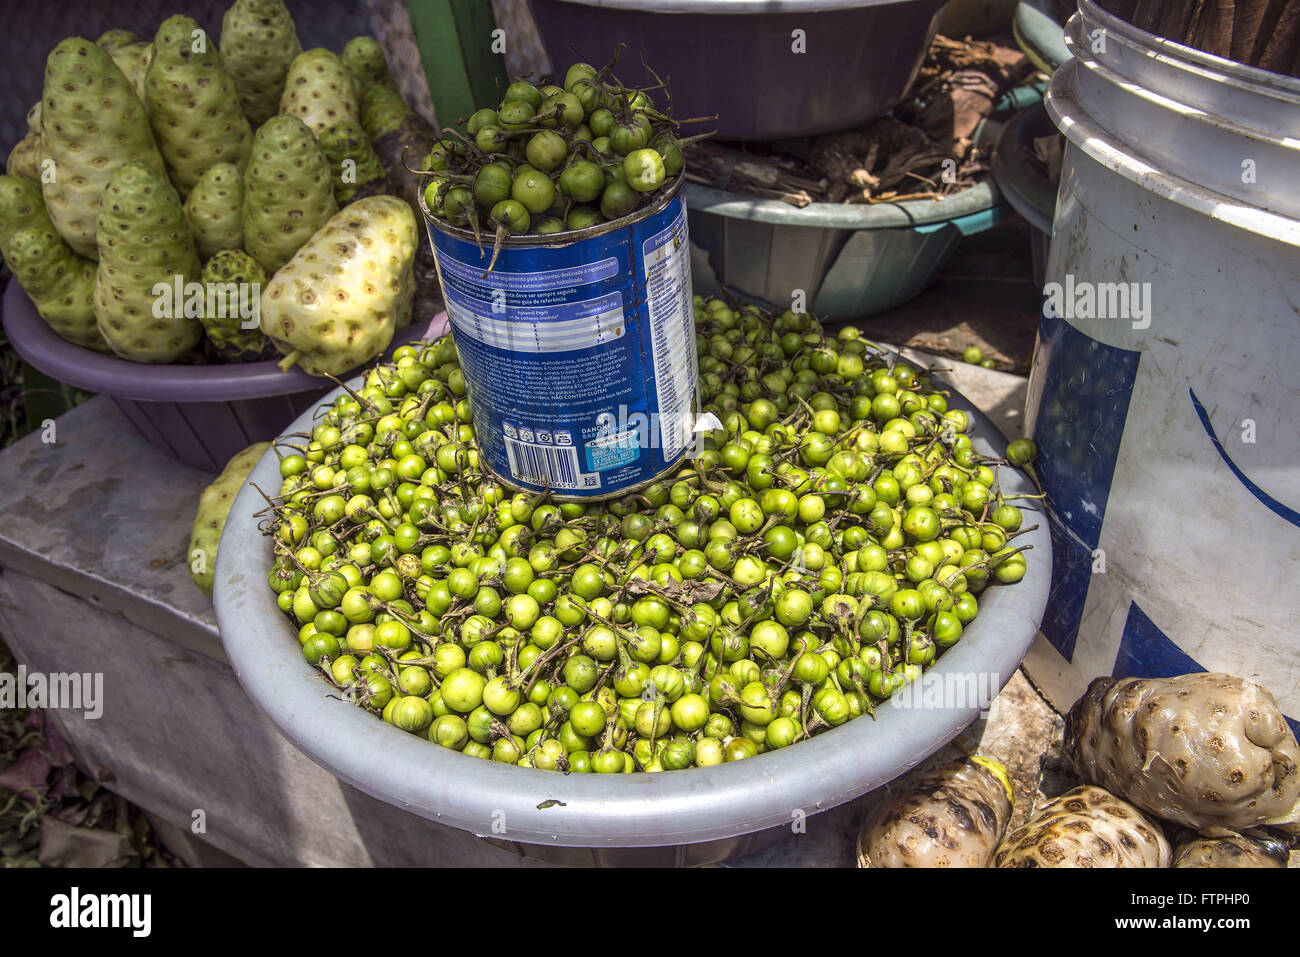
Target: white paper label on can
x=667, y=258
x=535, y=329
x=580, y=356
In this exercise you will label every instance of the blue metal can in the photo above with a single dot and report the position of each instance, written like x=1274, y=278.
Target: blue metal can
x=578, y=349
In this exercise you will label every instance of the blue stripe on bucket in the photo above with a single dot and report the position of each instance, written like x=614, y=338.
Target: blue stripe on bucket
x=1082, y=408
x=1272, y=504
x=1147, y=652
x=971, y=223
x=1071, y=577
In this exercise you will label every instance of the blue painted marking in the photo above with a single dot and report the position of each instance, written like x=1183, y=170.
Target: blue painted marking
x=1273, y=505
x=1071, y=578
x=1086, y=388
x=1147, y=652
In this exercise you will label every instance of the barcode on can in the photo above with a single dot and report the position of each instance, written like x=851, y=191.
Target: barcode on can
x=547, y=465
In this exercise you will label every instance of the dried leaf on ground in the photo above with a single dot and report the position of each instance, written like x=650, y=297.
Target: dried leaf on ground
x=54, y=815
x=64, y=845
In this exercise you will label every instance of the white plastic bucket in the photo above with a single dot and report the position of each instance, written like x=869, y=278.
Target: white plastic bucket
x=1169, y=444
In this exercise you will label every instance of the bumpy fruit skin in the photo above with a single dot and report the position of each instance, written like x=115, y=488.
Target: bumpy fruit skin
x=92, y=124
x=288, y=191
x=23, y=158
x=227, y=340
x=1203, y=750
x=365, y=60
x=20, y=206
x=258, y=42
x=133, y=60
x=116, y=38
x=953, y=815
x=215, y=210
x=193, y=107
x=143, y=240
x=60, y=283
x=318, y=90
x=34, y=118
x=398, y=134
x=1086, y=827
x=1230, y=850
x=214, y=508
x=338, y=301
x=347, y=141
x=382, y=111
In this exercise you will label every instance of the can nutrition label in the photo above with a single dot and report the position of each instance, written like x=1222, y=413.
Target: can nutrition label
x=666, y=262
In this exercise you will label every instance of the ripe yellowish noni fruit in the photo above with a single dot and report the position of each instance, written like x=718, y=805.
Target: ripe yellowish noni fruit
x=214, y=507
x=336, y=304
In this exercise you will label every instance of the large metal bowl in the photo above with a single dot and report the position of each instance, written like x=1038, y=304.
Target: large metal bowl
x=694, y=816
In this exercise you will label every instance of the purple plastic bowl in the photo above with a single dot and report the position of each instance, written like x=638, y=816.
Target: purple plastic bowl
x=736, y=58
x=201, y=415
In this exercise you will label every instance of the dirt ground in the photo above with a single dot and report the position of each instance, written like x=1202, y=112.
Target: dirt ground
x=984, y=297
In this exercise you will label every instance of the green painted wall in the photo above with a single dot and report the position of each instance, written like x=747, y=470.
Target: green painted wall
x=456, y=42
